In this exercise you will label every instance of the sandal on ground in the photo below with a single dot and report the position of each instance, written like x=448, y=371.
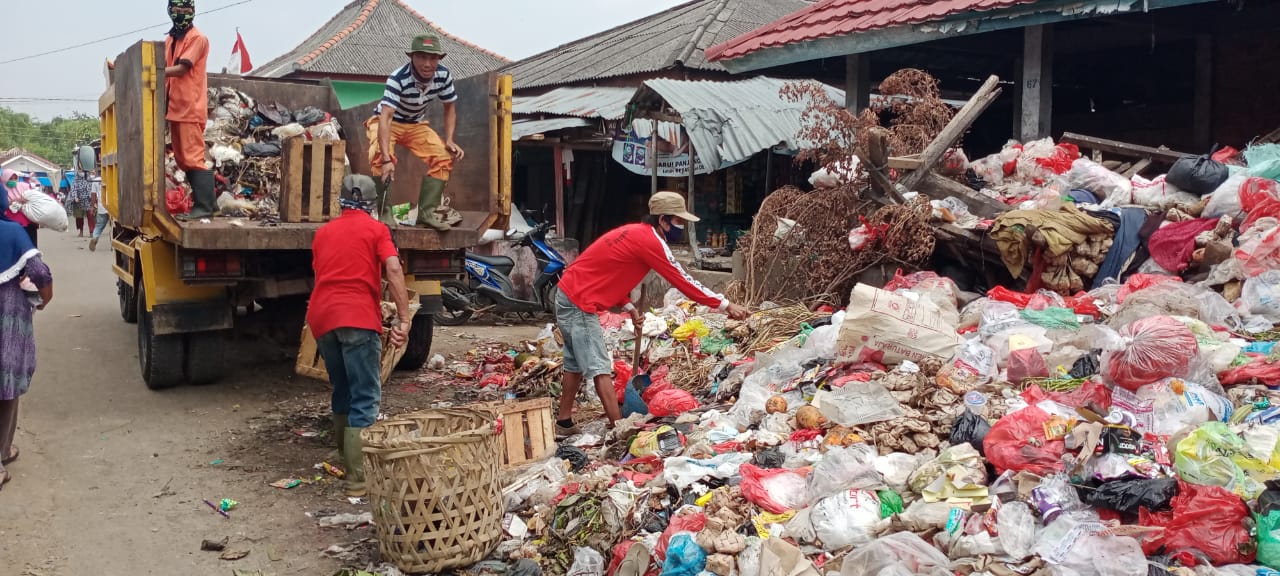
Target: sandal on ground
x=14, y=450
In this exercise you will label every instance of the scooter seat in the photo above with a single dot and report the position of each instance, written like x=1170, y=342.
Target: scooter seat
x=499, y=262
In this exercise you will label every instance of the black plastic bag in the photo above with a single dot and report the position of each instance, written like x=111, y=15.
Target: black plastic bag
x=1269, y=500
x=1126, y=496
x=310, y=116
x=274, y=113
x=1086, y=366
x=576, y=457
x=525, y=567
x=1199, y=175
x=261, y=149
x=771, y=458
x=971, y=428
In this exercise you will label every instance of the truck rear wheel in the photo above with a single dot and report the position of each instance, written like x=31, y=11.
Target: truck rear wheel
x=160, y=357
x=128, y=302
x=205, y=361
x=419, y=345
x=454, y=311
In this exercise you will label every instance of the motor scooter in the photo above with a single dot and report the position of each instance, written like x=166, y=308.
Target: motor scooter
x=488, y=287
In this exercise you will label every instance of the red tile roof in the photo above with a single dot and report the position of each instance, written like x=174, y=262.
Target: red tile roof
x=830, y=18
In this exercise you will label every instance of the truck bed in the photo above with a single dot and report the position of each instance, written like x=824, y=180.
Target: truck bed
x=222, y=234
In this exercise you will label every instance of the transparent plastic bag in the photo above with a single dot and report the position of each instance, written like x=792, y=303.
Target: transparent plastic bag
x=843, y=469
x=1261, y=296
x=778, y=490
x=1085, y=174
x=586, y=562
x=846, y=519
x=1157, y=347
x=1225, y=201
x=899, y=553
x=1017, y=528
x=1213, y=455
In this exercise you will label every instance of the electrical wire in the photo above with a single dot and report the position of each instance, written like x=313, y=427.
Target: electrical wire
x=121, y=35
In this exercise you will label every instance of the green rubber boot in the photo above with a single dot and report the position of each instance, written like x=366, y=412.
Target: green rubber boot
x=339, y=431
x=428, y=199
x=353, y=459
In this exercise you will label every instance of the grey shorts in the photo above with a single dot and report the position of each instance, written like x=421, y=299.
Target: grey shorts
x=584, y=349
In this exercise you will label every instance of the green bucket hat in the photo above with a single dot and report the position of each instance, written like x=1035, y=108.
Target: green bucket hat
x=428, y=44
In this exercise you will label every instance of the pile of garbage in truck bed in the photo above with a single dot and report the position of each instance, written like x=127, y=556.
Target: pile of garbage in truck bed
x=244, y=140
x=1112, y=416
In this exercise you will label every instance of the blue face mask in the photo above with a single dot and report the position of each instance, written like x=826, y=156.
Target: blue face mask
x=675, y=234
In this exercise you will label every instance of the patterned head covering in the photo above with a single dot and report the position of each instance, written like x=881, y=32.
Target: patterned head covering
x=359, y=192
x=182, y=21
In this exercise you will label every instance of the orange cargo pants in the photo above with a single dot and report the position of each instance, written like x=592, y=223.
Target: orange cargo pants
x=187, y=139
x=420, y=139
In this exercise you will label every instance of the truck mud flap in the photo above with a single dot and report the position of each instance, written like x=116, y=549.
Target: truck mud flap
x=186, y=317
x=431, y=304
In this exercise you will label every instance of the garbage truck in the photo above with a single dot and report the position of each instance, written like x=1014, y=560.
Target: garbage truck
x=189, y=285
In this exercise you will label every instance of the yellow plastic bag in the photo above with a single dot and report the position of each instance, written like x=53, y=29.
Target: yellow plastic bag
x=1214, y=455
x=695, y=328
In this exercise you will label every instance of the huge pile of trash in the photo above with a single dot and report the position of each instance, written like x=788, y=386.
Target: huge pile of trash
x=244, y=141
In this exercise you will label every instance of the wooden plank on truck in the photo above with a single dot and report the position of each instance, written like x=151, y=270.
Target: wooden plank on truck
x=291, y=180
x=317, y=189
x=336, y=171
x=311, y=180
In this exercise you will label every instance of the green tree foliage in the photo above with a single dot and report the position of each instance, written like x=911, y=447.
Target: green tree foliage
x=54, y=139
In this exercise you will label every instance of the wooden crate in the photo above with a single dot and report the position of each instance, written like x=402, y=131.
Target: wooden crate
x=311, y=180
x=311, y=365
x=528, y=430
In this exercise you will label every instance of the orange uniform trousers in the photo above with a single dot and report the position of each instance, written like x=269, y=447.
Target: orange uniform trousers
x=419, y=139
x=187, y=139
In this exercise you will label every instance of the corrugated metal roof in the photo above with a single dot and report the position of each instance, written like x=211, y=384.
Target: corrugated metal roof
x=368, y=38
x=524, y=128
x=831, y=18
x=609, y=103
x=658, y=42
x=729, y=122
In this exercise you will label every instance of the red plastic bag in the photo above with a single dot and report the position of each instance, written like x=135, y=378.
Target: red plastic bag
x=643, y=469
x=1060, y=161
x=1265, y=255
x=1259, y=197
x=1207, y=518
x=659, y=381
x=1082, y=303
x=776, y=490
x=1142, y=282
x=618, y=554
x=673, y=402
x=1017, y=442
x=621, y=375
x=1091, y=392
x=908, y=281
x=693, y=522
x=1266, y=373
x=1157, y=347
x=177, y=201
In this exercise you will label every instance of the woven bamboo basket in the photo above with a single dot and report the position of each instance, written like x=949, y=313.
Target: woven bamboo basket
x=434, y=488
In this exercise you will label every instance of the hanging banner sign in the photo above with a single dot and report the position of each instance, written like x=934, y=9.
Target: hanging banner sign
x=633, y=153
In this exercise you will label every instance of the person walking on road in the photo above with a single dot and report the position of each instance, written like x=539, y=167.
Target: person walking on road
x=401, y=119
x=26, y=285
x=102, y=218
x=351, y=257
x=17, y=192
x=80, y=202
x=186, y=53
x=602, y=279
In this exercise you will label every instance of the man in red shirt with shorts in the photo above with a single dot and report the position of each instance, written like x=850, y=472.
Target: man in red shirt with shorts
x=602, y=279
x=350, y=255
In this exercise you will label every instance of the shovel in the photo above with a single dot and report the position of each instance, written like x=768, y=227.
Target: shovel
x=632, y=403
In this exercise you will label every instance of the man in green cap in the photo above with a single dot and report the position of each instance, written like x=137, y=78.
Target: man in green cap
x=401, y=119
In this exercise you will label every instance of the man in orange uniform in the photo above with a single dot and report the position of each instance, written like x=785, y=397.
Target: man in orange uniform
x=186, y=51
x=401, y=119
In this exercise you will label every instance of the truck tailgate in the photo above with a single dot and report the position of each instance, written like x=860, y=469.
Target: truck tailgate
x=221, y=234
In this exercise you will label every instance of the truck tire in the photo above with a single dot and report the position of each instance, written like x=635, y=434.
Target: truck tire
x=160, y=357
x=205, y=361
x=450, y=315
x=419, y=345
x=128, y=302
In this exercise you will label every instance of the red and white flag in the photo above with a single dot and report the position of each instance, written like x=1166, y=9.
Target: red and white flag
x=239, y=49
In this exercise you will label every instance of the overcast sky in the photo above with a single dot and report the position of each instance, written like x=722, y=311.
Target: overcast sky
x=512, y=28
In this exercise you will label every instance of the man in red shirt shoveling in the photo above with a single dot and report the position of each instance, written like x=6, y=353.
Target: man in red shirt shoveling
x=601, y=279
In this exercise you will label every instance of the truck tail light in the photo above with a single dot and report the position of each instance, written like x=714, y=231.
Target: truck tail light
x=212, y=266
x=440, y=264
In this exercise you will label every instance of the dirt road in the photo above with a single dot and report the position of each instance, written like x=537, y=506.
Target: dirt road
x=112, y=477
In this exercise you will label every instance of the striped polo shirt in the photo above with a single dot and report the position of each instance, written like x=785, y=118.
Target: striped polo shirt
x=409, y=95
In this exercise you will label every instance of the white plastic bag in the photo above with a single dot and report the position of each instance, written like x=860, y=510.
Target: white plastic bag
x=846, y=519
x=42, y=209
x=843, y=469
x=1225, y=201
x=586, y=562
x=1261, y=296
x=1085, y=174
x=859, y=237
x=1017, y=527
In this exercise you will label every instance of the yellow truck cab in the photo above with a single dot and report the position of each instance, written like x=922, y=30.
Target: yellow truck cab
x=188, y=284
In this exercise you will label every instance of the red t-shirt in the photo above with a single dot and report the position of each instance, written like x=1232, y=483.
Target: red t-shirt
x=347, y=255
x=602, y=277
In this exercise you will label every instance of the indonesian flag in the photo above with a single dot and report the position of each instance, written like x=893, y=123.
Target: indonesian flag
x=245, y=64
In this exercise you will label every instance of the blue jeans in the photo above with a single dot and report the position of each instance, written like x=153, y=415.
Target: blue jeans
x=100, y=225
x=353, y=358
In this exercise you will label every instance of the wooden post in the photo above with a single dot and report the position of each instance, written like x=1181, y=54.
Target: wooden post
x=652, y=159
x=690, y=228
x=857, y=83
x=956, y=128
x=1036, y=88
x=1202, y=115
x=558, y=156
